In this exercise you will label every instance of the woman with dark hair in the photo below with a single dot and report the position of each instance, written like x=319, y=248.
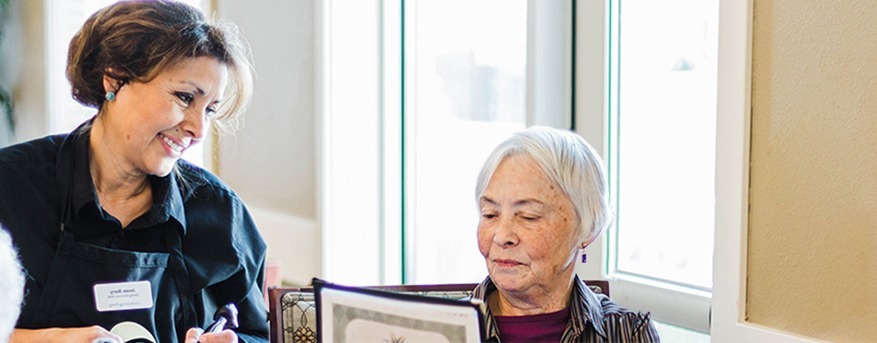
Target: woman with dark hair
x=112, y=226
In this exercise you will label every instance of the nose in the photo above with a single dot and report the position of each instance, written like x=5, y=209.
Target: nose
x=195, y=124
x=506, y=234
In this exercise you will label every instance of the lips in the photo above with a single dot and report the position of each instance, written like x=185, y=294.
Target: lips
x=176, y=147
x=507, y=263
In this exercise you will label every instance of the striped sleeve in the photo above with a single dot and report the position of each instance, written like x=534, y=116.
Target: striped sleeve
x=630, y=327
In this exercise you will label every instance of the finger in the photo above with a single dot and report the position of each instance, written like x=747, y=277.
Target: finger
x=101, y=335
x=116, y=338
x=225, y=336
x=193, y=335
x=107, y=338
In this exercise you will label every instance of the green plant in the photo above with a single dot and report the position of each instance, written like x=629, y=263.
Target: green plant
x=5, y=97
x=6, y=106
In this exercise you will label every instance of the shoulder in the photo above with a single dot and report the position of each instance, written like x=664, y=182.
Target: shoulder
x=222, y=241
x=38, y=150
x=609, y=319
x=29, y=164
x=200, y=183
x=612, y=312
x=211, y=204
x=199, y=176
x=29, y=198
x=620, y=323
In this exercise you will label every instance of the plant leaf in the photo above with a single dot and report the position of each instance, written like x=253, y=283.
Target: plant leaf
x=6, y=107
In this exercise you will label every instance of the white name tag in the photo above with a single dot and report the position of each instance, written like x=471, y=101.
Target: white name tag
x=122, y=296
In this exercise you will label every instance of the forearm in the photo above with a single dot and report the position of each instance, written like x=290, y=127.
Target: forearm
x=25, y=335
x=28, y=335
x=83, y=334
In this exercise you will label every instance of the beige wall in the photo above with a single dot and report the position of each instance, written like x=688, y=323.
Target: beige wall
x=813, y=198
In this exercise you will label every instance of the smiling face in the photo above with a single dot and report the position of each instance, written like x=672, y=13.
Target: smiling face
x=526, y=233
x=149, y=125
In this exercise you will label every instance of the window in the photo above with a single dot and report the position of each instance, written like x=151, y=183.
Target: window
x=468, y=87
x=383, y=106
x=64, y=18
x=455, y=78
x=466, y=81
x=660, y=144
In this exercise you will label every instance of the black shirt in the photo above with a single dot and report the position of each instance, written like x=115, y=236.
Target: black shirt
x=222, y=249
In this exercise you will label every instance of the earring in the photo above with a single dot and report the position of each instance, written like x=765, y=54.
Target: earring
x=584, y=258
x=110, y=96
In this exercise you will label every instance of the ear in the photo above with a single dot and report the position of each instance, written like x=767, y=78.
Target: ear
x=585, y=244
x=111, y=83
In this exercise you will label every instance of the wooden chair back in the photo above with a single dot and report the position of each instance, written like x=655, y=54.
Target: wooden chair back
x=292, y=311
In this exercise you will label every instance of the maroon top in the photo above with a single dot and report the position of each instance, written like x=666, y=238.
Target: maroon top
x=546, y=327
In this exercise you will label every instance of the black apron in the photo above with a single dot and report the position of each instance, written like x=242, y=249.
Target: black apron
x=68, y=299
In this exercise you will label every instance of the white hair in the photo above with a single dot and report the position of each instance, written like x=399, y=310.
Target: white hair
x=571, y=163
x=11, y=284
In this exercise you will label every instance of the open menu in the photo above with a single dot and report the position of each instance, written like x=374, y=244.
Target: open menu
x=355, y=314
x=131, y=332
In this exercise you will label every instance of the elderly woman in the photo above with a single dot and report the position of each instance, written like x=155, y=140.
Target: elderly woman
x=113, y=227
x=542, y=196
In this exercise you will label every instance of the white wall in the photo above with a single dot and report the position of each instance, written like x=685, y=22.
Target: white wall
x=271, y=162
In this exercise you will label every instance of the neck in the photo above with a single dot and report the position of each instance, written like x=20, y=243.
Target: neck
x=531, y=302
x=122, y=191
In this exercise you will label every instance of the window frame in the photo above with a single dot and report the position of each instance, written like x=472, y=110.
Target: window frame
x=671, y=304
x=726, y=310
x=352, y=234
x=549, y=88
x=732, y=182
x=590, y=104
x=370, y=221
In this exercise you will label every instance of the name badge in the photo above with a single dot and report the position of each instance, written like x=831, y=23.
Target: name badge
x=121, y=296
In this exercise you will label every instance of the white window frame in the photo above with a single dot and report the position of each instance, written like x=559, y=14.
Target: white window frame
x=672, y=305
x=726, y=311
x=351, y=202
x=362, y=223
x=548, y=103
x=732, y=182
x=371, y=239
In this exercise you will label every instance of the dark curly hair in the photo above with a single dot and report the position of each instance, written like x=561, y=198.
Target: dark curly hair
x=136, y=40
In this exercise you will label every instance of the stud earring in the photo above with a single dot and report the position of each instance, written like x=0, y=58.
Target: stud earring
x=110, y=96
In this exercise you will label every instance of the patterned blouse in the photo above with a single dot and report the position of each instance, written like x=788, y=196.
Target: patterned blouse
x=593, y=318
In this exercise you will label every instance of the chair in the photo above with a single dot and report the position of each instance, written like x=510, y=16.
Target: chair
x=292, y=316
